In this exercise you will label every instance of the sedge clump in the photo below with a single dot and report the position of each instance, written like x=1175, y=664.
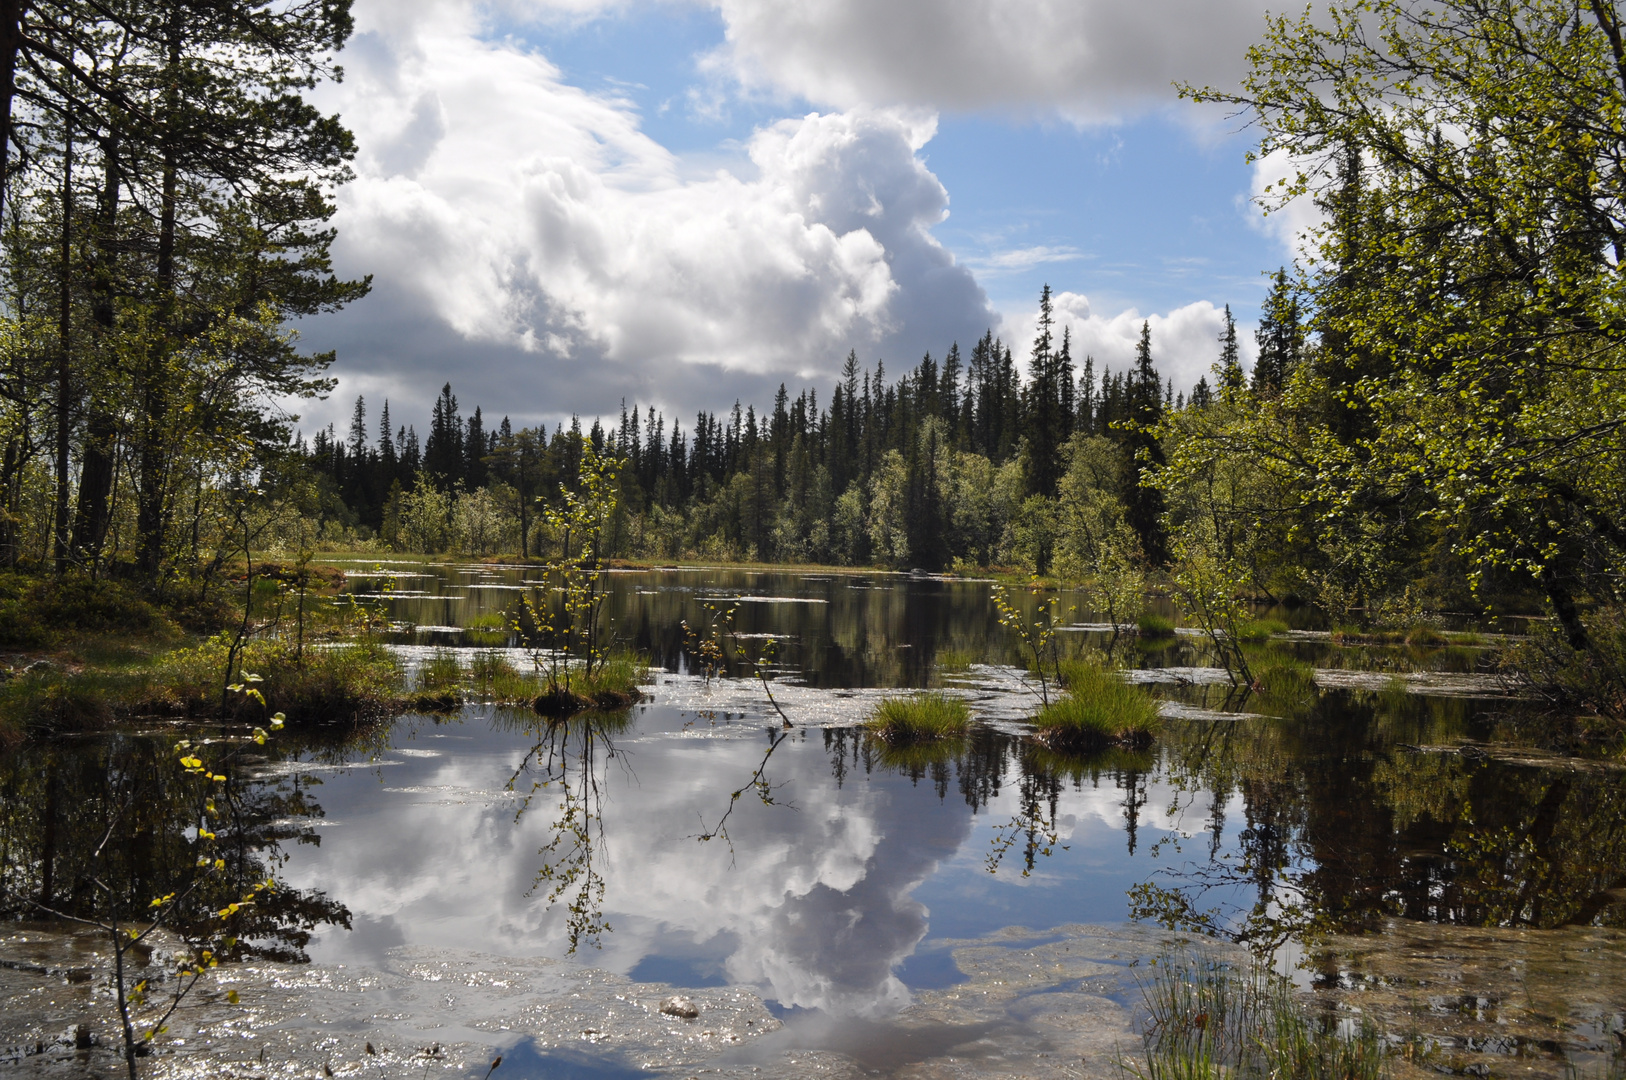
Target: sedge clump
x=919, y=718
x=1098, y=710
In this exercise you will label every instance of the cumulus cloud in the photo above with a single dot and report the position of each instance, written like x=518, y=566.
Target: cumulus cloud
x=525, y=226
x=1290, y=223
x=1185, y=342
x=1091, y=59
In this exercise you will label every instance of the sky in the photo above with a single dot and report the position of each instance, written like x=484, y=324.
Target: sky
x=568, y=204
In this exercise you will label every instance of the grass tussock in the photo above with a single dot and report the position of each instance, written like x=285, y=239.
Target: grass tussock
x=955, y=661
x=1209, y=1020
x=1098, y=710
x=1255, y=630
x=1153, y=625
x=310, y=686
x=614, y=683
x=919, y=718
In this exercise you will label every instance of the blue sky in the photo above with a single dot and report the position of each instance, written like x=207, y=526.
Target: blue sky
x=567, y=203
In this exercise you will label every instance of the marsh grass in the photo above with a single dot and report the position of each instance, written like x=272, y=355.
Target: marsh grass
x=310, y=686
x=1256, y=630
x=493, y=677
x=1153, y=625
x=1208, y=1020
x=919, y=718
x=955, y=661
x=1098, y=710
x=1425, y=635
x=614, y=683
x=1286, y=682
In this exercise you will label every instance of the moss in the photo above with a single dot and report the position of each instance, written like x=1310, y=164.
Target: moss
x=919, y=718
x=1098, y=710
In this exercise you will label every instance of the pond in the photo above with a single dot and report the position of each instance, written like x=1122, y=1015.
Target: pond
x=462, y=886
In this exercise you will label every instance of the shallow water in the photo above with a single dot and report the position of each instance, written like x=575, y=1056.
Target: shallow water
x=836, y=907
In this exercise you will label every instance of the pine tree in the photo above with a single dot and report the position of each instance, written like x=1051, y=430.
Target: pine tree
x=476, y=474
x=1229, y=368
x=443, y=450
x=1280, y=337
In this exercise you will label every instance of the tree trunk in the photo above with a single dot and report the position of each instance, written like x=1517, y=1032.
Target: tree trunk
x=95, y=510
x=153, y=476
x=64, y=361
x=11, y=43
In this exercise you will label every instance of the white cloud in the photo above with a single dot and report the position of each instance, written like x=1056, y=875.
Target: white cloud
x=1019, y=259
x=1185, y=342
x=1090, y=59
x=526, y=222
x=1290, y=223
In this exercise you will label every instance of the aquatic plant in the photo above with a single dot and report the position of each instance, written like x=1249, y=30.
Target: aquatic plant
x=1208, y=1020
x=1255, y=630
x=1098, y=710
x=955, y=661
x=919, y=718
x=1153, y=625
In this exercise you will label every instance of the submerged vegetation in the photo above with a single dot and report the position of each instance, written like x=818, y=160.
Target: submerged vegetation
x=1208, y=1020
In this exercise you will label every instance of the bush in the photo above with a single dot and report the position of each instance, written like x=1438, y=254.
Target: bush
x=1098, y=710
x=37, y=613
x=919, y=718
x=1573, y=682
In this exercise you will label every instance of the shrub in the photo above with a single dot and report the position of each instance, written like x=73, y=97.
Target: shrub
x=1576, y=682
x=1098, y=710
x=919, y=718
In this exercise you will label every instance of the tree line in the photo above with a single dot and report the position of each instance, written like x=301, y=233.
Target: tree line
x=881, y=473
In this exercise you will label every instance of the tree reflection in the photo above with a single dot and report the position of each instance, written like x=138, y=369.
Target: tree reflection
x=569, y=762
x=96, y=829
x=1347, y=825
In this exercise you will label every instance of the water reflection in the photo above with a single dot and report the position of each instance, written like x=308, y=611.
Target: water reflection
x=96, y=829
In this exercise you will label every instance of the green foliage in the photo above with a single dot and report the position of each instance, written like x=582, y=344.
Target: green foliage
x=1098, y=710
x=955, y=661
x=1468, y=389
x=1152, y=625
x=919, y=718
x=38, y=612
x=1590, y=682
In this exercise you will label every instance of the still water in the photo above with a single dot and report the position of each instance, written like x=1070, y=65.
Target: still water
x=837, y=907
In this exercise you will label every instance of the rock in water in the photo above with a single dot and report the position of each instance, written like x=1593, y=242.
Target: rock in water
x=680, y=1006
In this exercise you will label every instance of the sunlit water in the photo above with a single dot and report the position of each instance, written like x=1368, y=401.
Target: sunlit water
x=491, y=883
